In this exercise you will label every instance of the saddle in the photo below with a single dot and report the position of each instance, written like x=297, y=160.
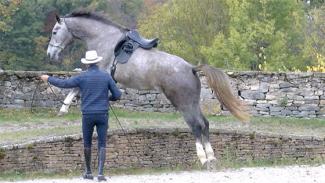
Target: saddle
x=129, y=43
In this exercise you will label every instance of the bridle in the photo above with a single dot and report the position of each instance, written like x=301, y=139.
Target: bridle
x=60, y=46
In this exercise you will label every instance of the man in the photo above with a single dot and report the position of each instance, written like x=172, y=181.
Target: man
x=94, y=87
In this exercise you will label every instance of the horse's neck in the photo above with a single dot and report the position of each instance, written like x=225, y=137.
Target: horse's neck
x=104, y=43
x=100, y=37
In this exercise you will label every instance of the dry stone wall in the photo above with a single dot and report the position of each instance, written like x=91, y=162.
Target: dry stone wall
x=156, y=148
x=267, y=94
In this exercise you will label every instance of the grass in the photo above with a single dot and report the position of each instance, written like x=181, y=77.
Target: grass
x=20, y=175
x=18, y=116
x=23, y=125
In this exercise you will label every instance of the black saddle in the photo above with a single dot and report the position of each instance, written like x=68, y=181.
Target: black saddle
x=143, y=43
x=129, y=43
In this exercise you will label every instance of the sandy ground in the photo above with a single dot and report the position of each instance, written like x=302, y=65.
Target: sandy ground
x=290, y=174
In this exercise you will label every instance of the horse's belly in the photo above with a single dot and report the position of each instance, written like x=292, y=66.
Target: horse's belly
x=137, y=84
x=133, y=78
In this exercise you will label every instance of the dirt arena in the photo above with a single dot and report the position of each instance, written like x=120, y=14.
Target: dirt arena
x=290, y=174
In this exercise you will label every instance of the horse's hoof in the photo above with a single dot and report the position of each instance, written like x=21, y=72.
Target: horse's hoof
x=213, y=164
x=205, y=165
x=61, y=113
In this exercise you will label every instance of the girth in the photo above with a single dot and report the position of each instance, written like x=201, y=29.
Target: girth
x=127, y=45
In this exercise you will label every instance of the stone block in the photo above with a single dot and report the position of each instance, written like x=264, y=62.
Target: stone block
x=276, y=109
x=253, y=95
x=311, y=97
x=286, y=85
x=309, y=107
x=322, y=102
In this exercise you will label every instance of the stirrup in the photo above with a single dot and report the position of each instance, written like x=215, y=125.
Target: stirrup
x=101, y=178
x=88, y=176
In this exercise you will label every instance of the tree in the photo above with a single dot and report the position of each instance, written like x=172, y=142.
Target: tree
x=23, y=43
x=314, y=49
x=7, y=9
x=24, y=46
x=186, y=25
x=233, y=34
x=264, y=35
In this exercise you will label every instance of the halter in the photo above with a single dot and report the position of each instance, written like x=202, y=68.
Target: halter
x=60, y=45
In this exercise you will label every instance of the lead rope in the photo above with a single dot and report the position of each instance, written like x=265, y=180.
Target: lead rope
x=127, y=137
x=33, y=96
x=37, y=88
x=56, y=96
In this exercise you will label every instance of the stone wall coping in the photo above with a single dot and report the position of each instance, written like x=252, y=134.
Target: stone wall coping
x=229, y=72
x=173, y=131
x=22, y=74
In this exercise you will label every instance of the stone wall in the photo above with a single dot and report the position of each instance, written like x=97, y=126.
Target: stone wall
x=267, y=94
x=157, y=148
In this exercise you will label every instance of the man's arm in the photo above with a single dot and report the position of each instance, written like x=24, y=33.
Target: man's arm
x=62, y=83
x=116, y=93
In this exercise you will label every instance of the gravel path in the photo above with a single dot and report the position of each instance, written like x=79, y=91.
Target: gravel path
x=290, y=174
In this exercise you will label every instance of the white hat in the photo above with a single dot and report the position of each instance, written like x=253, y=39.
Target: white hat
x=91, y=58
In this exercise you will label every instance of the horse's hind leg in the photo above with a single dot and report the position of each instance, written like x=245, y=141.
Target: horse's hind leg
x=200, y=128
x=207, y=145
x=196, y=127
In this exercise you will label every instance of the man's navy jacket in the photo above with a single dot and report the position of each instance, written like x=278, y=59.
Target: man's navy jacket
x=94, y=86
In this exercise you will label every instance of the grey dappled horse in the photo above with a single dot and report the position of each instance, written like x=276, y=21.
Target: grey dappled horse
x=149, y=69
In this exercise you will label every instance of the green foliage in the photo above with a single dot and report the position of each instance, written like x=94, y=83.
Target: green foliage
x=25, y=27
x=7, y=9
x=264, y=35
x=2, y=153
x=283, y=101
x=24, y=46
x=124, y=11
x=241, y=34
x=233, y=34
x=185, y=25
x=314, y=50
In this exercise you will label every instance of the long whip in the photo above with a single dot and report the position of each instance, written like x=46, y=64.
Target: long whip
x=124, y=132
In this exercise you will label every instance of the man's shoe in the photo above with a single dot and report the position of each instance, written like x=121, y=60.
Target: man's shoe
x=88, y=176
x=101, y=178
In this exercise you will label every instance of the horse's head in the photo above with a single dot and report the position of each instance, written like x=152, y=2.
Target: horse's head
x=61, y=37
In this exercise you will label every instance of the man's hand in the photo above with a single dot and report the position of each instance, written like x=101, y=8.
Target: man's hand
x=44, y=77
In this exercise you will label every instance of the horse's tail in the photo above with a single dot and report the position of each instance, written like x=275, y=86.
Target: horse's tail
x=219, y=82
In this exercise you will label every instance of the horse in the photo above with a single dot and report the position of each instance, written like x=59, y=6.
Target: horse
x=150, y=69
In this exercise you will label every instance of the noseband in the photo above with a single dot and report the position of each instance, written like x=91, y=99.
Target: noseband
x=60, y=45
x=57, y=46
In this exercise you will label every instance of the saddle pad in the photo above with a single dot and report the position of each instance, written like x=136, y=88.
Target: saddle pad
x=129, y=43
x=124, y=49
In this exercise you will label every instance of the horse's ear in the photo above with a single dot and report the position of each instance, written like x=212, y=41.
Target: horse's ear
x=57, y=18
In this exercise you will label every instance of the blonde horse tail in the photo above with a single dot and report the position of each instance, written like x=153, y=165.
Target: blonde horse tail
x=219, y=82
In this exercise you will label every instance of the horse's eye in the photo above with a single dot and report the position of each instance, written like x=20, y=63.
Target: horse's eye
x=54, y=33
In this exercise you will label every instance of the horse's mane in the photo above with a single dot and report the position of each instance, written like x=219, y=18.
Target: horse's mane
x=94, y=16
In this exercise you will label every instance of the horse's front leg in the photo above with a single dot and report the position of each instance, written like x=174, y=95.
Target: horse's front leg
x=67, y=101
